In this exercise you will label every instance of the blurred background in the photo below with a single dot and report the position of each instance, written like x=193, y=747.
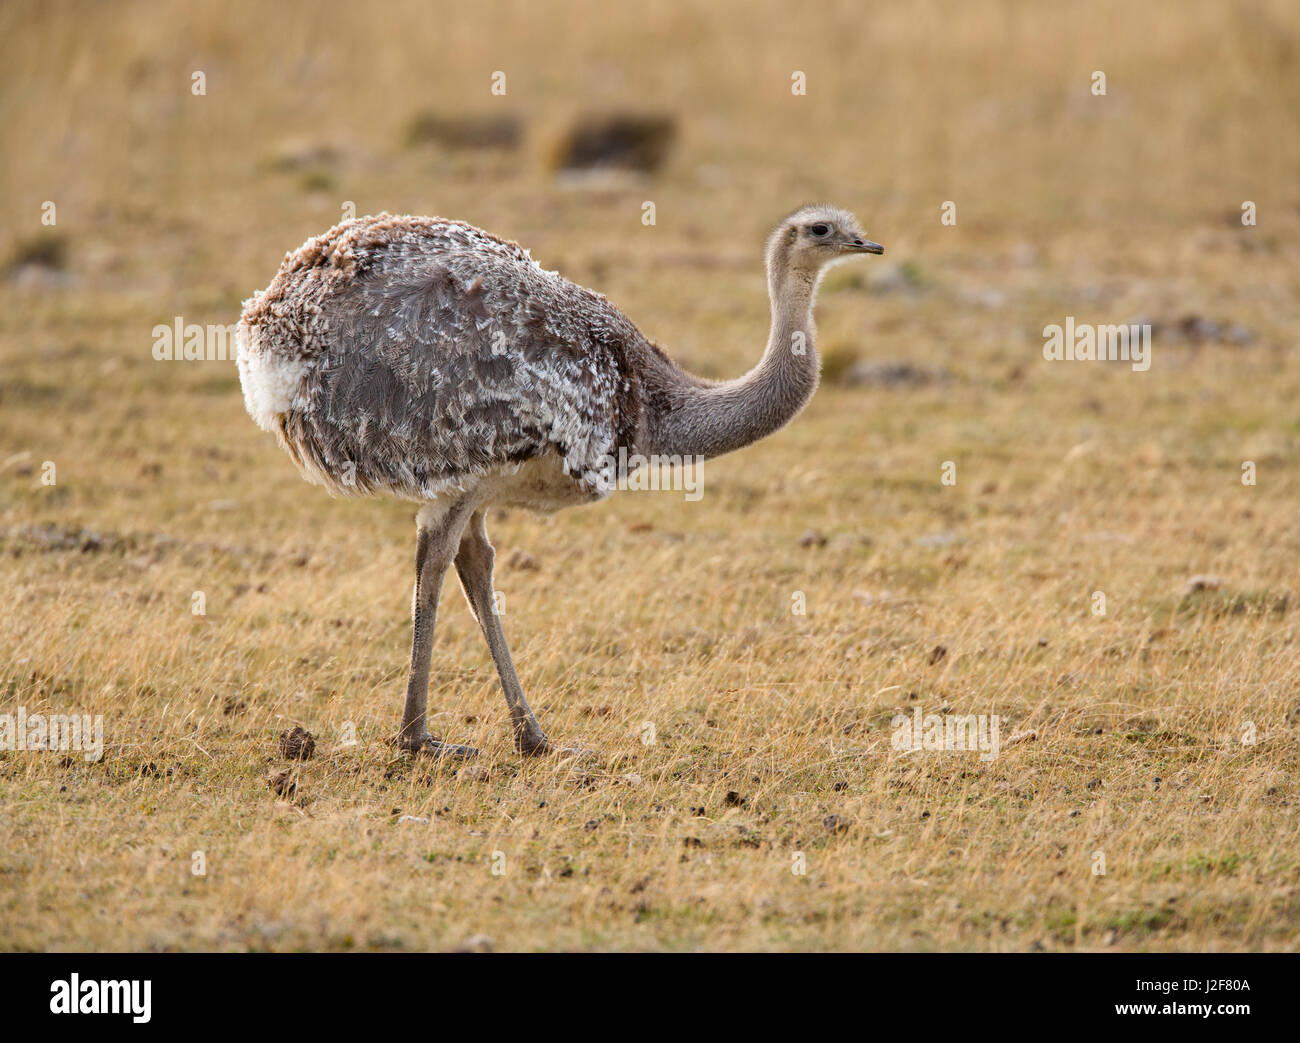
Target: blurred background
x=173, y=202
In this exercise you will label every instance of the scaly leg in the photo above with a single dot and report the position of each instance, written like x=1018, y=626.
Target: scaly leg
x=474, y=566
x=438, y=533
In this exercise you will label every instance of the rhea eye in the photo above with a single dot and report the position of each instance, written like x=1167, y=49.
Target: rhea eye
x=820, y=229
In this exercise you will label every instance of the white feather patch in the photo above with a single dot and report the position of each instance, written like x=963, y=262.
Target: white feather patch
x=269, y=380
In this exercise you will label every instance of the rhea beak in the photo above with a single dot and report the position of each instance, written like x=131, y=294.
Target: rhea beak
x=866, y=246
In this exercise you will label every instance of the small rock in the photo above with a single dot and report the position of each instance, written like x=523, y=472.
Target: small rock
x=837, y=824
x=1197, y=329
x=297, y=745
x=414, y=820
x=812, y=538
x=282, y=784
x=735, y=800
x=620, y=141
x=522, y=560
x=303, y=154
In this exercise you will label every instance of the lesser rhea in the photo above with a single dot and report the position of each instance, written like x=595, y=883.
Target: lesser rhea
x=428, y=359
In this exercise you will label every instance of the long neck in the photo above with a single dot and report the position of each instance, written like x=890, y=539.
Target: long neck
x=695, y=418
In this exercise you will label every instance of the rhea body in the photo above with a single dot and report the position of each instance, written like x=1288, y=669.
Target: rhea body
x=430, y=360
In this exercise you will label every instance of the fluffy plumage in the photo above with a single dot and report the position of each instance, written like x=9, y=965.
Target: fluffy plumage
x=407, y=354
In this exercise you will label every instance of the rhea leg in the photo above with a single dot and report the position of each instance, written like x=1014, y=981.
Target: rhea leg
x=438, y=534
x=474, y=566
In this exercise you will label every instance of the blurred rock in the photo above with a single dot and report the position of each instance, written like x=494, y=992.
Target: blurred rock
x=1197, y=329
x=303, y=154
x=39, y=257
x=622, y=142
x=837, y=824
x=522, y=560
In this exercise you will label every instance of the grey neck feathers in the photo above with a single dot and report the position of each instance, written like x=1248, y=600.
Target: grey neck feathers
x=696, y=418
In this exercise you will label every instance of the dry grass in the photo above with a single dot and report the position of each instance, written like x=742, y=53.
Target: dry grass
x=1071, y=479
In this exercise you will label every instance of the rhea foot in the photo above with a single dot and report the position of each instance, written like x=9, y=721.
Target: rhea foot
x=428, y=746
x=538, y=745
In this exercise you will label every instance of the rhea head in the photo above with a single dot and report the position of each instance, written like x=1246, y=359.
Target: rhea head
x=815, y=236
